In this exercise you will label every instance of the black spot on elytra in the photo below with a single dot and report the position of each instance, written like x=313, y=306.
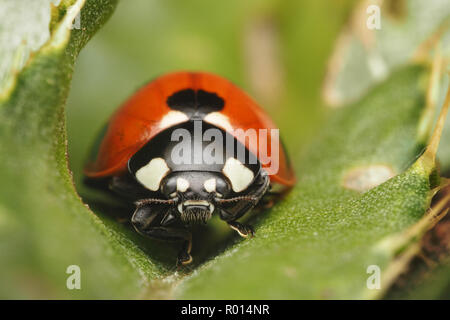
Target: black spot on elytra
x=196, y=104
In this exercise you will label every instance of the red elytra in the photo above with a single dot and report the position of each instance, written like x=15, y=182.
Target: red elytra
x=138, y=120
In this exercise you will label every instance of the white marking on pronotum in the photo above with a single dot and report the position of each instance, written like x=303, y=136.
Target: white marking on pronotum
x=210, y=185
x=182, y=184
x=239, y=175
x=219, y=120
x=152, y=173
x=173, y=117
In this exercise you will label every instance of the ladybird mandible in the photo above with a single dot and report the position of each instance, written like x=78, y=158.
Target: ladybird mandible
x=184, y=147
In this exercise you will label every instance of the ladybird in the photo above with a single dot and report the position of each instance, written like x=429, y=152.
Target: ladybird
x=184, y=147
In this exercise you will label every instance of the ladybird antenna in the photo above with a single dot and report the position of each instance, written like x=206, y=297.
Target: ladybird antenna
x=252, y=199
x=144, y=202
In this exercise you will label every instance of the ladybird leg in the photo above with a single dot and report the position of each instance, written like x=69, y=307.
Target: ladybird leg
x=184, y=256
x=234, y=208
x=127, y=187
x=172, y=234
x=151, y=221
x=244, y=230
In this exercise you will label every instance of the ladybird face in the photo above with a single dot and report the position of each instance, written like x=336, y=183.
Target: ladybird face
x=195, y=193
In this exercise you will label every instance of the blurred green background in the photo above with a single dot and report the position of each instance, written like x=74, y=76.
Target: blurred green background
x=276, y=51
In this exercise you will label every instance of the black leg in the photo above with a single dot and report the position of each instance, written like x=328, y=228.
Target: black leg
x=243, y=230
x=184, y=256
x=235, y=207
x=148, y=219
x=125, y=186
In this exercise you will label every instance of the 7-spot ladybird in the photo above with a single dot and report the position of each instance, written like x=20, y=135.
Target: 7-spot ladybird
x=184, y=147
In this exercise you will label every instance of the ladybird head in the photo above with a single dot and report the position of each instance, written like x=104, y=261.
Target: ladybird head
x=195, y=192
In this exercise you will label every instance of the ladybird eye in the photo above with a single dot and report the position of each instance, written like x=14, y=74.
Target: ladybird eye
x=173, y=195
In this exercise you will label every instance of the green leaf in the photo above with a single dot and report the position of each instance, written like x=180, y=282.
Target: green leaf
x=44, y=227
